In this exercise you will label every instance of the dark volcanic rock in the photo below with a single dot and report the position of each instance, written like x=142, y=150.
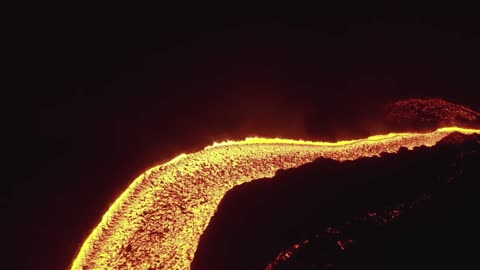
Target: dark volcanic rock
x=415, y=114
x=407, y=208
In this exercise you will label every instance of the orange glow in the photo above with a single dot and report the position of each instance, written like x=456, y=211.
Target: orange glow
x=157, y=222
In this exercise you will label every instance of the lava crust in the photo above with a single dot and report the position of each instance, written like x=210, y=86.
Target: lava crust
x=428, y=114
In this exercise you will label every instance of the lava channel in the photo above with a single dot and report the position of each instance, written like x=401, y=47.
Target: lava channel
x=157, y=222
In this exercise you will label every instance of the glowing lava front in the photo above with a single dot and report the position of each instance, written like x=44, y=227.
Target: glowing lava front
x=157, y=222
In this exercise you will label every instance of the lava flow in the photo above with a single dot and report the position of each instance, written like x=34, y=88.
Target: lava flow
x=157, y=222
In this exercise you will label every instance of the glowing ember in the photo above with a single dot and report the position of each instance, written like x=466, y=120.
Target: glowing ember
x=157, y=222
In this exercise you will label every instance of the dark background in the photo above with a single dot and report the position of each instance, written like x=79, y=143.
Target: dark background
x=100, y=96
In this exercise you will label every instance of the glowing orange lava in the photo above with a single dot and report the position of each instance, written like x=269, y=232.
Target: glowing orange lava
x=157, y=222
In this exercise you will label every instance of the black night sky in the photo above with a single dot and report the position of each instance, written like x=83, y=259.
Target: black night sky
x=100, y=97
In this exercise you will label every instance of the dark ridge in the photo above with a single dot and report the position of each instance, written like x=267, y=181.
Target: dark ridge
x=409, y=208
x=419, y=114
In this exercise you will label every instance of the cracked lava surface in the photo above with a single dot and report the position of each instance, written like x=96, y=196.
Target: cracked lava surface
x=157, y=222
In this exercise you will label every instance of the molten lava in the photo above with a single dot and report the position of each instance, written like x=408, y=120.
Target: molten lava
x=157, y=222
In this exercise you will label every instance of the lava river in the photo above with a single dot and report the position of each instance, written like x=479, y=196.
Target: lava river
x=157, y=222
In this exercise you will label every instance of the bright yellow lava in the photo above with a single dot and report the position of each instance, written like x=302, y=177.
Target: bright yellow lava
x=157, y=222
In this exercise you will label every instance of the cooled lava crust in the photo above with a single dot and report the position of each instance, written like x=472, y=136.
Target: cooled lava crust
x=428, y=114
